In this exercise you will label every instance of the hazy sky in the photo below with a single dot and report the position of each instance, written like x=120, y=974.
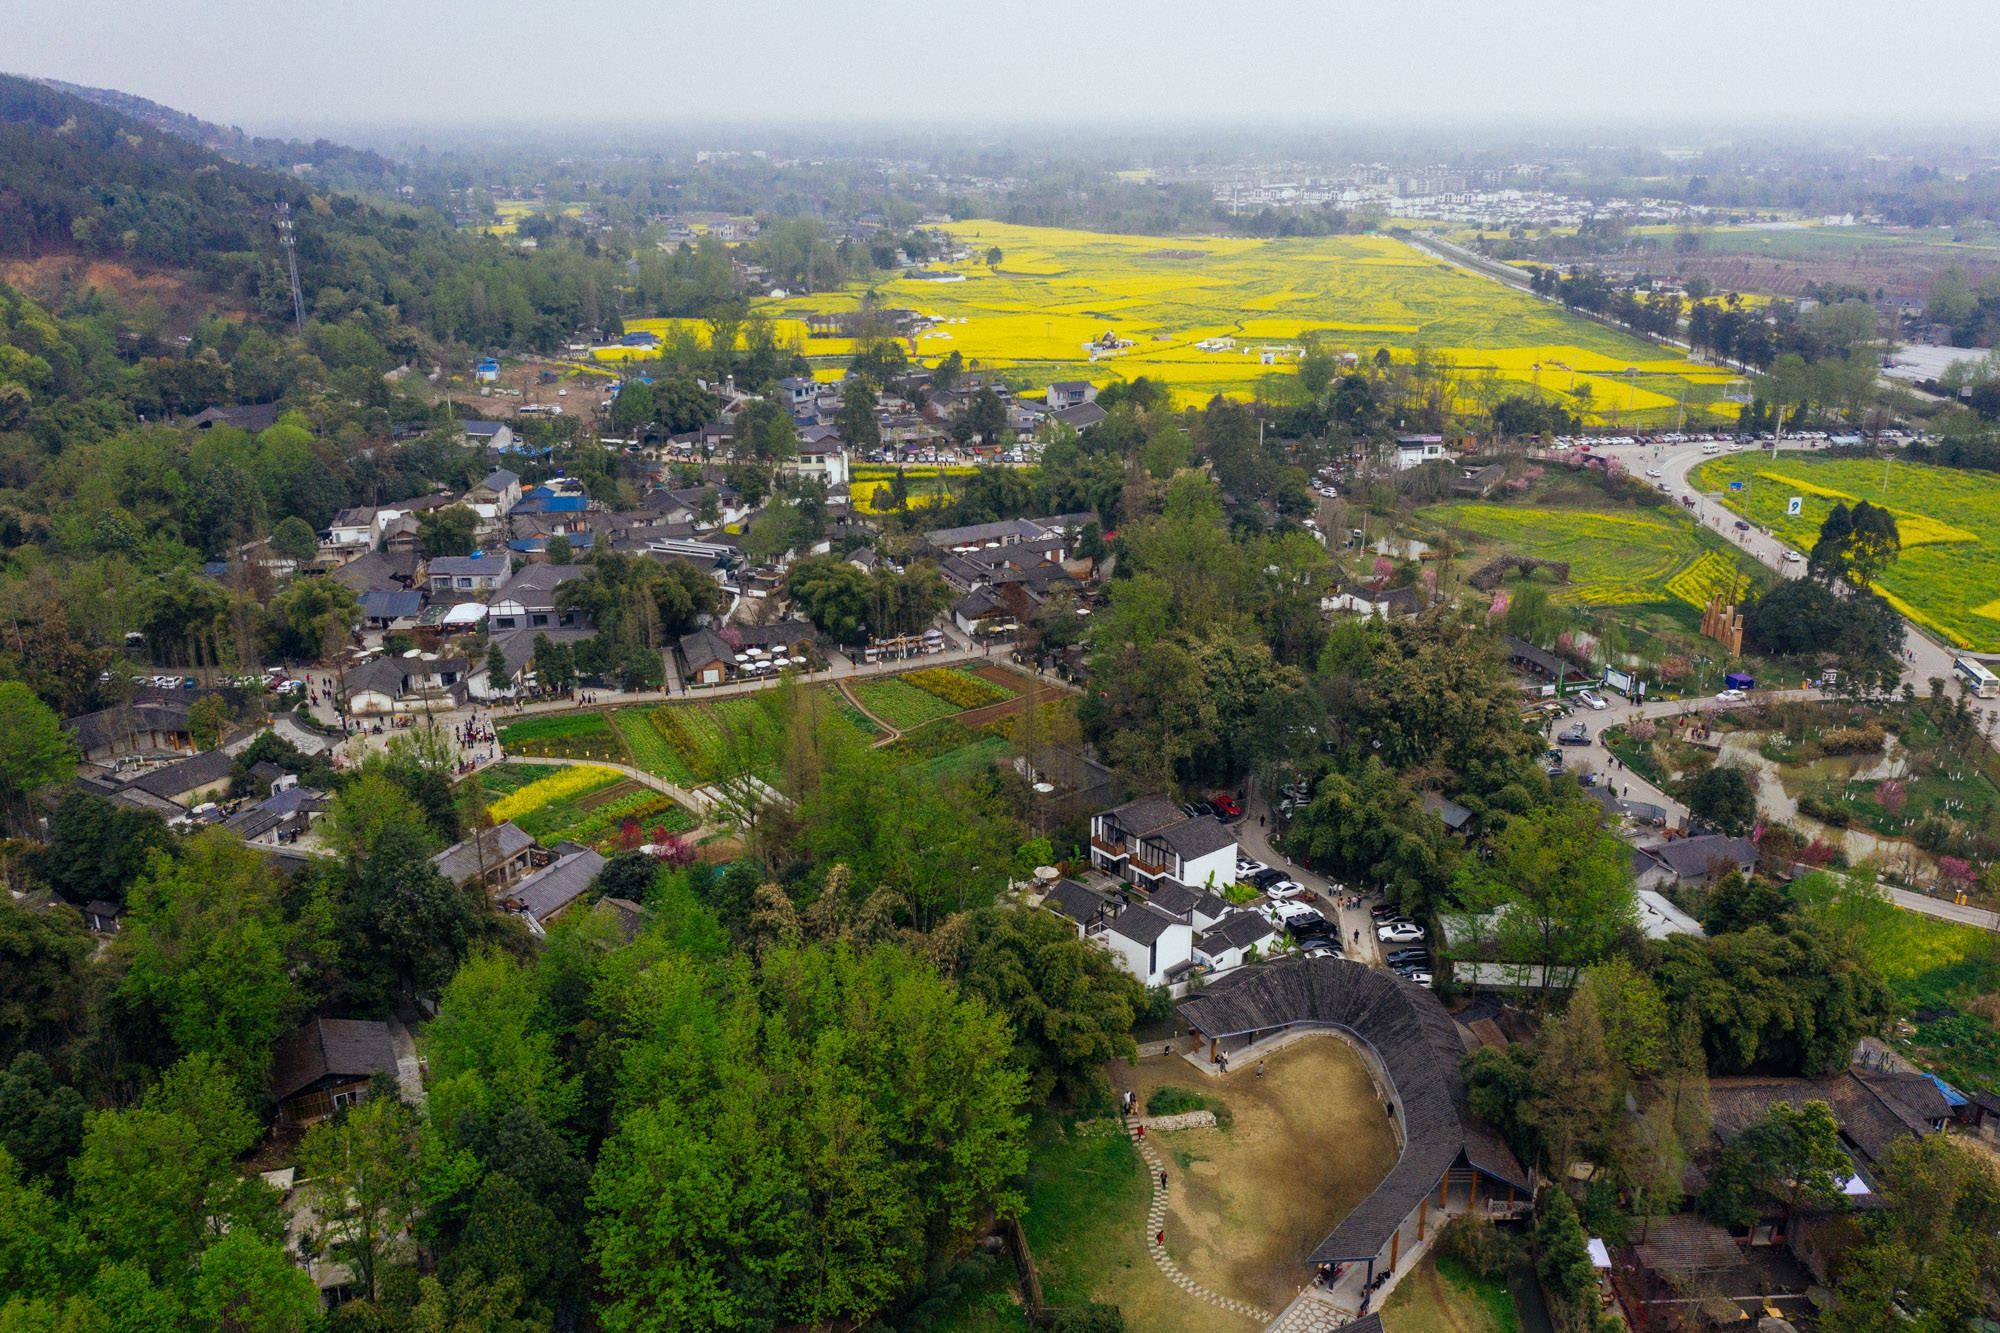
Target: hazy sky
x=264, y=64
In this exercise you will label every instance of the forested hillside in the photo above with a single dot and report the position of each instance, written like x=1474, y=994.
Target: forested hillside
x=79, y=178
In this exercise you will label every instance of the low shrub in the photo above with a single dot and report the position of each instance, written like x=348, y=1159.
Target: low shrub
x=1168, y=1099
x=1868, y=738
x=957, y=687
x=1483, y=1248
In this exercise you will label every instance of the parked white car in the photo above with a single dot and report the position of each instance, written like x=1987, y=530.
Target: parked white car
x=1591, y=699
x=1245, y=867
x=1285, y=890
x=1399, y=932
x=1731, y=696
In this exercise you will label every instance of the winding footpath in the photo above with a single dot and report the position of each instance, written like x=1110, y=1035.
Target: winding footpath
x=1156, y=1221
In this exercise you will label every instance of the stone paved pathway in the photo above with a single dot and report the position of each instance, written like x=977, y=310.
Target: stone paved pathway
x=1313, y=1310
x=1156, y=1221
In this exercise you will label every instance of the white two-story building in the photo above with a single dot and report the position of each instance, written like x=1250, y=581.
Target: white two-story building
x=1149, y=842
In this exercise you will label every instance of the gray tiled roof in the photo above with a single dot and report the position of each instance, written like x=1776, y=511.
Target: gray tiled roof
x=195, y=771
x=1419, y=1049
x=1076, y=901
x=1196, y=837
x=1142, y=924
x=1146, y=815
x=1689, y=858
x=556, y=885
x=460, y=861
x=1238, y=930
x=346, y=1047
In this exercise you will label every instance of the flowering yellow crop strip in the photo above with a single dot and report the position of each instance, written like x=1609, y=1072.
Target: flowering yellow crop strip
x=563, y=784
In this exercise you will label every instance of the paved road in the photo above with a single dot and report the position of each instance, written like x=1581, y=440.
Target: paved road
x=1924, y=657
x=1939, y=907
x=1595, y=758
x=1357, y=927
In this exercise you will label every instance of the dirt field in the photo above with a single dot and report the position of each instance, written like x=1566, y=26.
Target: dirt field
x=1246, y=1205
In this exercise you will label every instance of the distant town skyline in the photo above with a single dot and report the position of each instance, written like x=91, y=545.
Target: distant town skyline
x=1122, y=63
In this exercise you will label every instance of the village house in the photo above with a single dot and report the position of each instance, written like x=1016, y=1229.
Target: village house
x=281, y=818
x=1233, y=941
x=1693, y=861
x=517, y=654
x=327, y=1065
x=139, y=728
x=1083, y=907
x=499, y=490
x=491, y=859
x=494, y=435
x=1148, y=841
x=1071, y=393
x=528, y=600
x=1416, y=450
x=480, y=572
x=1150, y=945
x=378, y=571
x=731, y=652
x=821, y=456
x=252, y=417
x=385, y=609
x=188, y=782
x=414, y=680
x=544, y=894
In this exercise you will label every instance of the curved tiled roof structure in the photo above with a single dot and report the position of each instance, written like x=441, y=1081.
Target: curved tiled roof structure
x=1418, y=1049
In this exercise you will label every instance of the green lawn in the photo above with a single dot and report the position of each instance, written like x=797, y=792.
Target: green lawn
x=1087, y=1194
x=1442, y=1296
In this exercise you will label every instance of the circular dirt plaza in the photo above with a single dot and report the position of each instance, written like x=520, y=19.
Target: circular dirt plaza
x=1247, y=1204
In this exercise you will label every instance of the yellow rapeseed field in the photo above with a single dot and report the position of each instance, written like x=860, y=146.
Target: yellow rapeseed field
x=1211, y=315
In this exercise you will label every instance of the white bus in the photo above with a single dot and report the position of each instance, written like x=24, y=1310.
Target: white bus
x=1978, y=680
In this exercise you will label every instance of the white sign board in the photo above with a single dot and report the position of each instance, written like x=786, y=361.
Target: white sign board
x=1795, y=504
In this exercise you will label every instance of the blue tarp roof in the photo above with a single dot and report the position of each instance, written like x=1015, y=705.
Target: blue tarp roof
x=578, y=541
x=551, y=504
x=1952, y=1096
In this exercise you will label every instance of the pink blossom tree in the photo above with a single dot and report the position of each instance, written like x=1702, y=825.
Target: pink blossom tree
x=1892, y=794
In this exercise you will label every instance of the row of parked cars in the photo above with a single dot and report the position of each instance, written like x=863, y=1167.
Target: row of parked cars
x=1412, y=962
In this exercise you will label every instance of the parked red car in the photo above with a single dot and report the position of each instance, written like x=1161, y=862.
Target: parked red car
x=1228, y=806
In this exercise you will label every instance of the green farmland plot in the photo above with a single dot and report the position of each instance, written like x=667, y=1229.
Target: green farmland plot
x=1618, y=558
x=1948, y=579
x=563, y=736
x=901, y=704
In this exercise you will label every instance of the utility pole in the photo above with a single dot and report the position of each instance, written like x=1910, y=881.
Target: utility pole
x=287, y=240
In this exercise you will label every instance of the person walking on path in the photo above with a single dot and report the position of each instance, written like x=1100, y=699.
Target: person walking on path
x=1163, y=1179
